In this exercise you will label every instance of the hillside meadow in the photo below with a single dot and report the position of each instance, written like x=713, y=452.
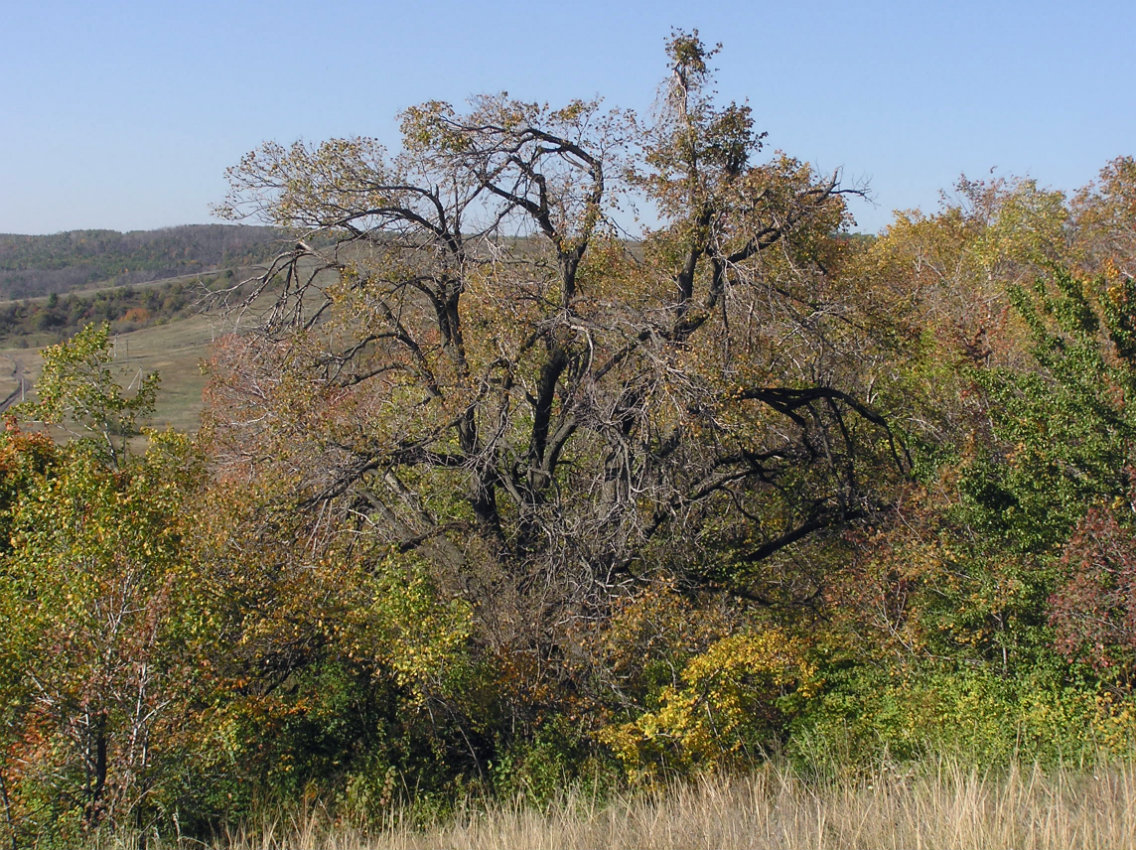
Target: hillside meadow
x=177, y=351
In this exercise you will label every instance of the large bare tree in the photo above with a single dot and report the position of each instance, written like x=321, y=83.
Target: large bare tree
x=465, y=350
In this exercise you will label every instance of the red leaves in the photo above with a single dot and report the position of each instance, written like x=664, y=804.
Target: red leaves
x=1094, y=611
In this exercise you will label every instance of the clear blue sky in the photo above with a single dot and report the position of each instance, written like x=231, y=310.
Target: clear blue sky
x=125, y=115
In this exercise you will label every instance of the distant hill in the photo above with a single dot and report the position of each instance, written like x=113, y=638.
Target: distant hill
x=31, y=323
x=39, y=266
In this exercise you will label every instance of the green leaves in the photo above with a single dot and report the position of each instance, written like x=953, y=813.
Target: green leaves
x=1067, y=428
x=77, y=388
x=91, y=590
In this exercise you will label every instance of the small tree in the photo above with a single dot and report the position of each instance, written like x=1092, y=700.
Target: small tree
x=90, y=576
x=78, y=389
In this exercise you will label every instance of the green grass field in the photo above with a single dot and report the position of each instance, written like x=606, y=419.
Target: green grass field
x=176, y=350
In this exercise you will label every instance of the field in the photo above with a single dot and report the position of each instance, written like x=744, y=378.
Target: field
x=176, y=349
x=931, y=805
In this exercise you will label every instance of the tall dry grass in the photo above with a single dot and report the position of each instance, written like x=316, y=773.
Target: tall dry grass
x=929, y=806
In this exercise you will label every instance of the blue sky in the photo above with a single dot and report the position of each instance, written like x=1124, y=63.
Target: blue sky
x=125, y=115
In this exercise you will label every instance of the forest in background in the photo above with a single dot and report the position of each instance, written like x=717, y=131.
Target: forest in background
x=38, y=266
x=53, y=286
x=494, y=501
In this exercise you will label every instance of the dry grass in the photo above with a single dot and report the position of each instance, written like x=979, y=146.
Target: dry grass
x=938, y=807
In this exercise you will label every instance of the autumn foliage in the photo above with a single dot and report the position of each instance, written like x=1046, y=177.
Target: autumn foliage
x=495, y=498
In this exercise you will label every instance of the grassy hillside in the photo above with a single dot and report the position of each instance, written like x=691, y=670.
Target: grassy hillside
x=175, y=350
x=149, y=286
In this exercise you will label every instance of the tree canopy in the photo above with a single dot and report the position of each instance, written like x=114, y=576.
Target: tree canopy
x=497, y=373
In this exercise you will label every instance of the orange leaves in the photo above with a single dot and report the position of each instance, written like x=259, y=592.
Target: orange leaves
x=1104, y=215
x=1093, y=610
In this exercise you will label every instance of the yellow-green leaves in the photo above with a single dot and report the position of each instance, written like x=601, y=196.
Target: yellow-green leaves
x=78, y=389
x=731, y=701
x=93, y=687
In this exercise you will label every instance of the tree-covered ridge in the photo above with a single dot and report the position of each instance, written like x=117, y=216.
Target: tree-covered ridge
x=35, y=266
x=29, y=324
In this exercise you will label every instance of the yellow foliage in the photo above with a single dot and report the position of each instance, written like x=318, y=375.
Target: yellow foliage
x=728, y=709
